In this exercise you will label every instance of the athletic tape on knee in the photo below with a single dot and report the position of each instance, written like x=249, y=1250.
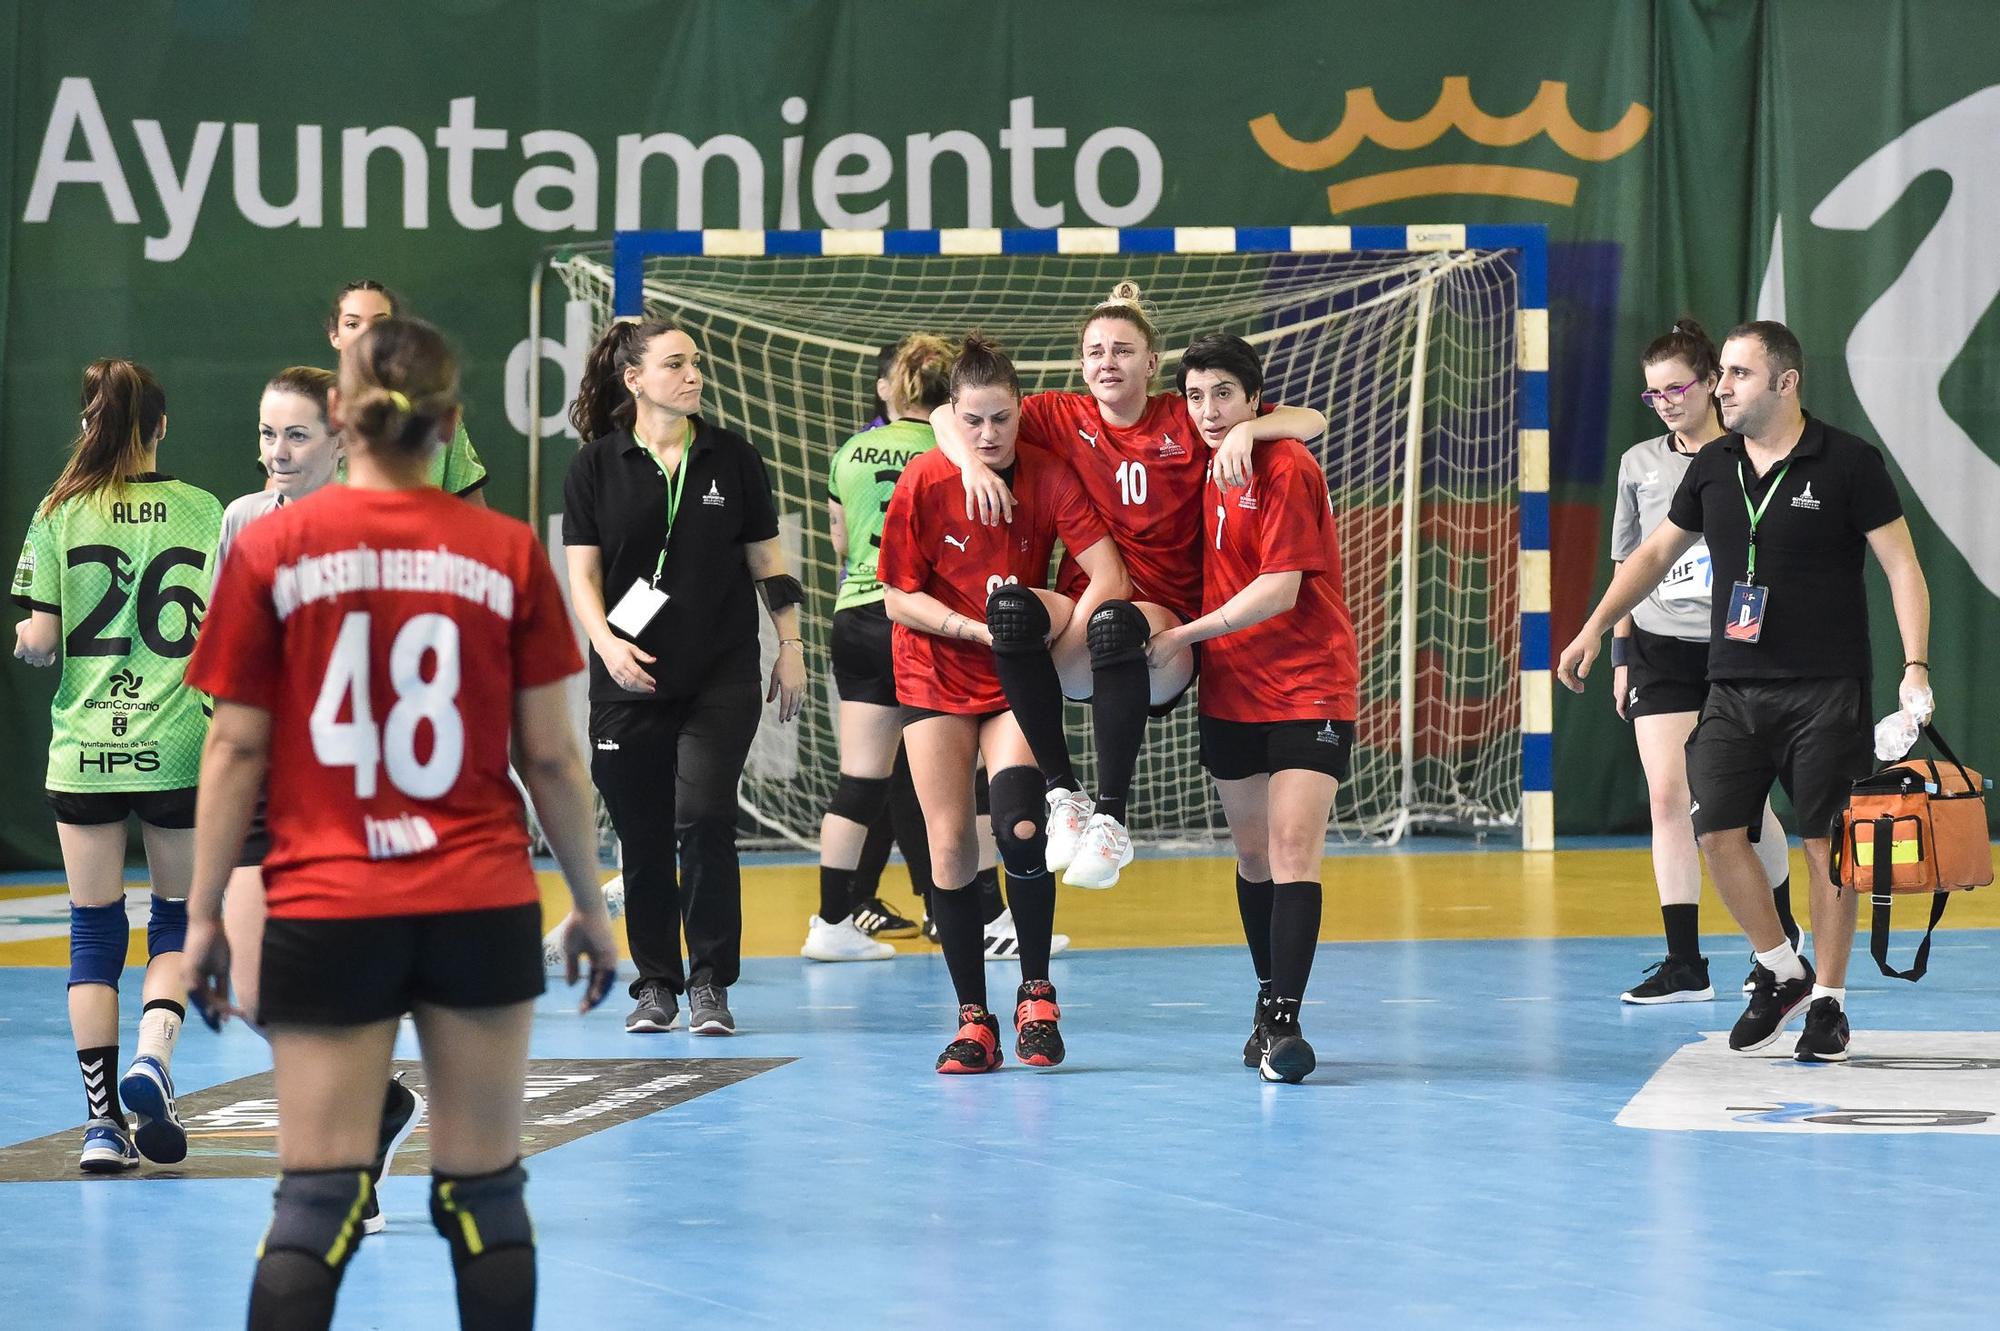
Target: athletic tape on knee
x=318, y=1212
x=97, y=939
x=1117, y=634
x=167, y=926
x=1017, y=798
x=859, y=799
x=1017, y=619
x=478, y=1213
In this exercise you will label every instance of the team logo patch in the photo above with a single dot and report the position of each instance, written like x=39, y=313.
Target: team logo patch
x=1804, y=499
x=1328, y=735
x=1248, y=500
x=125, y=684
x=714, y=496
x=1170, y=449
x=118, y=725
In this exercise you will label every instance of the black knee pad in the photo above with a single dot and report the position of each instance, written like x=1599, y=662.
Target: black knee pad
x=479, y=1213
x=1017, y=798
x=1017, y=619
x=317, y=1213
x=1117, y=634
x=859, y=799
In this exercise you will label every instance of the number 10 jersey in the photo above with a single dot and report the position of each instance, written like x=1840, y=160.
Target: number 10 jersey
x=127, y=570
x=387, y=632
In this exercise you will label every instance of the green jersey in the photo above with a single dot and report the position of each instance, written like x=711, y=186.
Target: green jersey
x=455, y=468
x=129, y=573
x=862, y=477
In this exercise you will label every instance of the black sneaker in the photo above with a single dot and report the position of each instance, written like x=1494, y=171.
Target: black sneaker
x=656, y=1010
x=1825, y=1037
x=874, y=918
x=1287, y=1056
x=1674, y=980
x=1260, y=1037
x=1772, y=1004
x=930, y=928
x=1750, y=980
x=708, y=1009
x=402, y=1110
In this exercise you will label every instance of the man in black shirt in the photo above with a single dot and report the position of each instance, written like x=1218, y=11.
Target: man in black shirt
x=1787, y=504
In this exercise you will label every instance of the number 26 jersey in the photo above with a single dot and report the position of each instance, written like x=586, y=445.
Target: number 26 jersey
x=387, y=632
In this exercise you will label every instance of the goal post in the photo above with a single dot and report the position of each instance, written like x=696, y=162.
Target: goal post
x=1426, y=347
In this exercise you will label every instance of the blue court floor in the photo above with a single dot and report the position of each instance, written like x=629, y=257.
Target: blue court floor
x=1456, y=1162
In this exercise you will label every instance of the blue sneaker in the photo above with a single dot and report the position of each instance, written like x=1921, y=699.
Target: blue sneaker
x=107, y=1149
x=148, y=1092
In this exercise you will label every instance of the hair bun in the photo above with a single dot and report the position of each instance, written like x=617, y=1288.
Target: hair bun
x=1125, y=293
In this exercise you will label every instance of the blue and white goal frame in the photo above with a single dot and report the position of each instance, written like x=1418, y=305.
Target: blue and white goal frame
x=631, y=249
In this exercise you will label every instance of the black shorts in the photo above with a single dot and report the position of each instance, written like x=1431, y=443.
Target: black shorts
x=863, y=664
x=1813, y=736
x=93, y=808
x=256, y=837
x=1664, y=675
x=912, y=714
x=1234, y=750
x=356, y=972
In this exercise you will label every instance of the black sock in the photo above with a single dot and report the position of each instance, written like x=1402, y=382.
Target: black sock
x=1034, y=695
x=1294, y=935
x=962, y=935
x=1119, y=697
x=292, y=1291
x=991, y=905
x=1034, y=906
x=1683, y=930
x=496, y=1290
x=1781, y=897
x=836, y=887
x=1253, y=903
x=99, y=1067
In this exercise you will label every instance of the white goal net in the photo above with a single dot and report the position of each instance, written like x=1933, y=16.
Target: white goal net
x=1411, y=355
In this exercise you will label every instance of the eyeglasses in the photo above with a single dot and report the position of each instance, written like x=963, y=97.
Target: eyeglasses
x=1671, y=393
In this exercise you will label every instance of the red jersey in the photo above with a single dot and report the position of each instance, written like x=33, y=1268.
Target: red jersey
x=928, y=545
x=1301, y=665
x=387, y=633
x=1144, y=479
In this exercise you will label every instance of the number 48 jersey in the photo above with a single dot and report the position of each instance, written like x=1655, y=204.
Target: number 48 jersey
x=387, y=632
x=127, y=571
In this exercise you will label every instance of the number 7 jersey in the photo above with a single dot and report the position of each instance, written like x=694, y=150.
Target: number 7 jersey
x=127, y=571
x=387, y=632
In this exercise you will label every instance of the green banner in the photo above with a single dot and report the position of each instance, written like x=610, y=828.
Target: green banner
x=189, y=183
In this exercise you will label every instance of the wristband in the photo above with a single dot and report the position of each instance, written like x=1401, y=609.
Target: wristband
x=1621, y=651
x=793, y=642
x=1925, y=664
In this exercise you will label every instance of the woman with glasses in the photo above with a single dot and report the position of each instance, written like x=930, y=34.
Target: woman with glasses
x=1660, y=657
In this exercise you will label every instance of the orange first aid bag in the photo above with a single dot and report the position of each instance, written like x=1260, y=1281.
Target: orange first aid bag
x=1918, y=825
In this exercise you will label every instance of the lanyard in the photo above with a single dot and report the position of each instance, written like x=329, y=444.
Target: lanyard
x=675, y=481
x=1757, y=513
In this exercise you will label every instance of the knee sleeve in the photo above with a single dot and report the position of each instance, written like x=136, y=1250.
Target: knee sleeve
x=1017, y=798
x=97, y=939
x=318, y=1214
x=480, y=1213
x=859, y=799
x=1017, y=619
x=167, y=927
x=1117, y=634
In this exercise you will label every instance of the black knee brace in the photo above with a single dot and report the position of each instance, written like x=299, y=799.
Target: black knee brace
x=478, y=1213
x=1017, y=798
x=1017, y=619
x=859, y=799
x=317, y=1212
x=1117, y=633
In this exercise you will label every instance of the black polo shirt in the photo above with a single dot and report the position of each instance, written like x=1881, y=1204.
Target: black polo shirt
x=615, y=498
x=1812, y=543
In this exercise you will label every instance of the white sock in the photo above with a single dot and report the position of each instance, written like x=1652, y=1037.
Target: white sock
x=1783, y=962
x=1837, y=995
x=159, y=1028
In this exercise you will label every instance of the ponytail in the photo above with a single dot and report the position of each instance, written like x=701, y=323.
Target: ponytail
x=123, y=409
x=398, y=380
x=920, y=377
x=982, y=364
x=603, y=403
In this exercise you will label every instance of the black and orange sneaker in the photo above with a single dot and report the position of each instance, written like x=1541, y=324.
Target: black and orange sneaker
x=977, y=1047
x=1037, y=1040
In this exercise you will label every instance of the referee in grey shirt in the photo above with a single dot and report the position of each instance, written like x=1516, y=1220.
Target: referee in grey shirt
x=1660, y=655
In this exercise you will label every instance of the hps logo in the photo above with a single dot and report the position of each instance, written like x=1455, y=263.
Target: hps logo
x=125, y=684
x=1363, y=121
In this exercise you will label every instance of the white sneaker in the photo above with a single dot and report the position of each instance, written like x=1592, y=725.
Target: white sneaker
x=614, y=896
x=1069, y=812
x=552, y=953
x=1003, y=940
x=1106, y=848
x=841, y=942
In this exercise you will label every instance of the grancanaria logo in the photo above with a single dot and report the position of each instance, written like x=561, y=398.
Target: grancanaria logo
x=1364, y=121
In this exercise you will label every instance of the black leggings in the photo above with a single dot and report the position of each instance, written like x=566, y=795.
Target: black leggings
x=668, y=771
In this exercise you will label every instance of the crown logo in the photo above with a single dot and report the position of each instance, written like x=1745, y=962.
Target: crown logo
x=1362, y=121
